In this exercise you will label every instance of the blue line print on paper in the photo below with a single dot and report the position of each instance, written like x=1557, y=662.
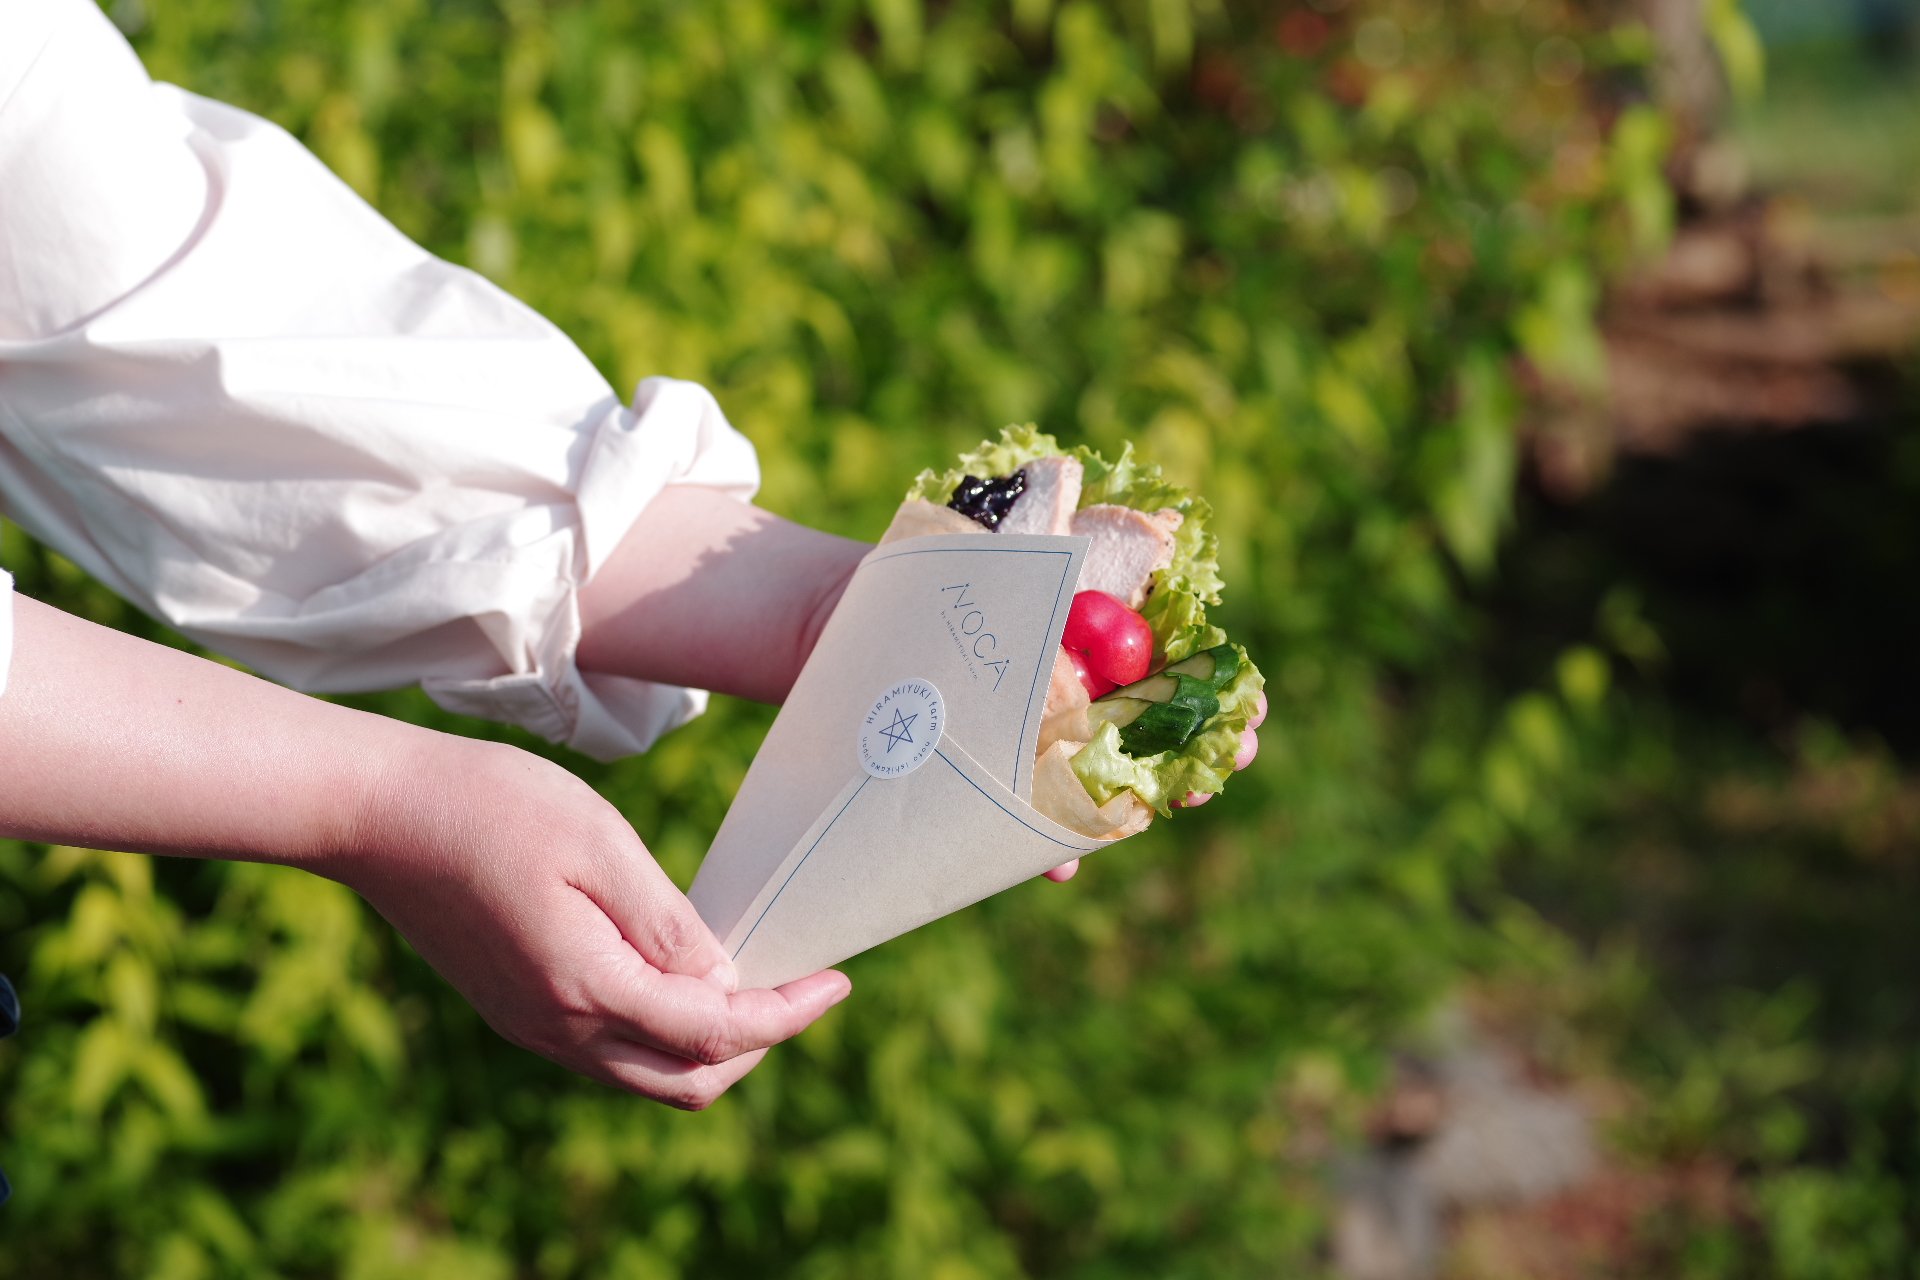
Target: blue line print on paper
x=1010, y=813
x=942, y=551
x=1019, y=752
x=796, y=868
x=849, y=804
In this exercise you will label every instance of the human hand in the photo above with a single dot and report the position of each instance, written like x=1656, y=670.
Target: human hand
x=530, y=894
x=523, y=887
x=1249, y=748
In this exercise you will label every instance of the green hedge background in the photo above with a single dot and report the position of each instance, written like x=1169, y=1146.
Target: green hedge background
x=1299, y=254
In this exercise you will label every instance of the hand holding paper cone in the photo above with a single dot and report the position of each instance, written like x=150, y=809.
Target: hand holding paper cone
x=938, y=746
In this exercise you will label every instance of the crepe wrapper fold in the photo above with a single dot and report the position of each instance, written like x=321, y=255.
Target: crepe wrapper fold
x=1058, y=790
x=818, y=859
x=918, y=518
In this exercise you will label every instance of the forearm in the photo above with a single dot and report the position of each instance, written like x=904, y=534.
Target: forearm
x=513, y=878
x=109, y=741
x=710, y=592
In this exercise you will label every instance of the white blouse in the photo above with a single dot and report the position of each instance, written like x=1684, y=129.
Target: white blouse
x=238, y=396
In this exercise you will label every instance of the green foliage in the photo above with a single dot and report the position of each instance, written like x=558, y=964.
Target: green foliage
x=1742, y=54
x=1835, y=1226
x=1296, y=278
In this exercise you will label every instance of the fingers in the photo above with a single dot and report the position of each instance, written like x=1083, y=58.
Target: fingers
x=688, y=1018
x=692, y=1082
x=1064, y=872
x=690, y=1086
x=1242, y=757
x=652, y=914
x=605, y=1012
x=1249, y=748
x=659, y=922
x=535, y=898
x=586, y=844
x=664, y=986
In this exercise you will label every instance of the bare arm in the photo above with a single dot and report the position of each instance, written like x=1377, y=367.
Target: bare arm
x=514, y=879
x=708, y=591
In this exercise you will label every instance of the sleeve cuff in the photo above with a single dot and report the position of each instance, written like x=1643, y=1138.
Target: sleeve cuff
x=675, y=434
x=602, y=716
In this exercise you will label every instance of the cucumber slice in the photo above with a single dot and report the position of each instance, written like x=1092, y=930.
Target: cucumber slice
x=1200, y=666
x=1161, y=712
x=1156, y=688
x=1215, y=667
x=1120, y=712
x=1197, y=694
x=1226, y=665
x=1163, y=726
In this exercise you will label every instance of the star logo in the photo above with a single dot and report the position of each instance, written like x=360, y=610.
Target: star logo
x=901, y=730
x=909, y=715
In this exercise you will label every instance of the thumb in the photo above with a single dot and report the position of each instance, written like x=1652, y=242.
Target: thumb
x=653, y=915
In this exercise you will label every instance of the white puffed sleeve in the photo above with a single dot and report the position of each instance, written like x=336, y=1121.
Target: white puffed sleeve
x=233, y=392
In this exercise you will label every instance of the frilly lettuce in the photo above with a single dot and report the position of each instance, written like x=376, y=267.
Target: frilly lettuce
x=1016, y=447
x=1176, y=608
x=1202, y=764
x=1179, y=622
x=1131, y=483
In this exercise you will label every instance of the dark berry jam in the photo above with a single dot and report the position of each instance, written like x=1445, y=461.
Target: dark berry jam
x=988, y=501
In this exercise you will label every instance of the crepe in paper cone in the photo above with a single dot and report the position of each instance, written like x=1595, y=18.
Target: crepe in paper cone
x=896, y=784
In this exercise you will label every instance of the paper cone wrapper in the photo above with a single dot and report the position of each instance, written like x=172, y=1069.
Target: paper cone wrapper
x=894, y=786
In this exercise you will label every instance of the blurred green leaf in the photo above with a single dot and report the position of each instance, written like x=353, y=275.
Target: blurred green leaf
x=881, y=231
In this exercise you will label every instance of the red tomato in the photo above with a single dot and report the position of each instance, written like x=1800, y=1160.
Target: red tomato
x=1096, y=686
x=1117, y=641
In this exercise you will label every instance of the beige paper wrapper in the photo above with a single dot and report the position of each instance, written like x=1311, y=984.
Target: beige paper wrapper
x=818, y=859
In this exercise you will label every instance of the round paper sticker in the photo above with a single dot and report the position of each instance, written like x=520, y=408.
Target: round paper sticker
x=901, y=729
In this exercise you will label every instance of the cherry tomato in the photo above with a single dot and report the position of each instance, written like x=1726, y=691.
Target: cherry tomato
x=1096, y=686
x=1117, y=641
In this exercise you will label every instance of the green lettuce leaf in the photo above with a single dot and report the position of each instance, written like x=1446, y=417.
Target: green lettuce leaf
x=1179, y=623
x=1176, y=610
x=1105, y=771
x=1202, y=764
x=1214, y=746
x=1132, y=483
x=1127, y=482
x=1016, y=447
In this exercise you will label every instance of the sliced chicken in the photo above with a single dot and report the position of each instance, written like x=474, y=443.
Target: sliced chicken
x=918, y=518
x=1052, y=492
x=1128, y=548
x=1064, y=716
